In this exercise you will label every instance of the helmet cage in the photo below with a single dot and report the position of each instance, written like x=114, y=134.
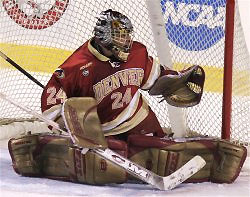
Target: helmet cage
x=114, y=31
x=121, y=38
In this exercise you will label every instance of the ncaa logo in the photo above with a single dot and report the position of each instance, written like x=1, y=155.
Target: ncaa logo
x=35, y=14
x=194, y=25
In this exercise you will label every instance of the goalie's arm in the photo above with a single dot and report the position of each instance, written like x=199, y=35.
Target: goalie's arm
x=62, y=85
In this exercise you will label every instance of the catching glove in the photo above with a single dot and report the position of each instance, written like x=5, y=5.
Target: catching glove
x=182, y=90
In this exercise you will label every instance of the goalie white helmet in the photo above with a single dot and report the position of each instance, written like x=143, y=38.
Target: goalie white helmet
x=114, y=31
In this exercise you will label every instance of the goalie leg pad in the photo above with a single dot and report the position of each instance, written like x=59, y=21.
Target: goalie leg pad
x=165, y=156
x=92, y=169
x=82, y=121
x=42, y=155
x=53, y=156
x=223, y=159
x=228, y=165
x=23, y=160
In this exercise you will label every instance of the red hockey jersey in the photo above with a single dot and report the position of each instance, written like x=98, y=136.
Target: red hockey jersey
x=87, y=73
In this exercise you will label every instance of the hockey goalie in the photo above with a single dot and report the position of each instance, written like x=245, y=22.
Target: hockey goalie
x=95, y=96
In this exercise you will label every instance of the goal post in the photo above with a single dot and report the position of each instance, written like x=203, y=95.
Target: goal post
x=39, y=35
x=233, y=87
x=228, y=70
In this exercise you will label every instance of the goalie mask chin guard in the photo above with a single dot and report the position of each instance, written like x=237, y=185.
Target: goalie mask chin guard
x=114, y=31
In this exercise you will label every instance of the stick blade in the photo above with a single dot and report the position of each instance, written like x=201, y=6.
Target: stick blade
x=183, y=173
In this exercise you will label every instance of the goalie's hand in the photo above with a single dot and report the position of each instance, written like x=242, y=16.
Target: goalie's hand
x=182, y=90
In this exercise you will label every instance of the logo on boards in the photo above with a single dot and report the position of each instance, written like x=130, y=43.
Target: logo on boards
x=32, y=15
x=194, y=25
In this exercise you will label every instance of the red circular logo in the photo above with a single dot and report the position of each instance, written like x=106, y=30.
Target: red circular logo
x=33, y=15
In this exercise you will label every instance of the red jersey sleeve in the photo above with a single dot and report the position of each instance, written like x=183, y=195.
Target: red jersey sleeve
x=151, y=68
x=60, y=86
x=65, y=81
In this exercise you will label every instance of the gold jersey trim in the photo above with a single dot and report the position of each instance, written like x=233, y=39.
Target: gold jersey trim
x=125, y=114
x=126, y=126
x=154, y=74
x=96, y=53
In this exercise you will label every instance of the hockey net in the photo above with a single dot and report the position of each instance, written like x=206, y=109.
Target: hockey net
x=40, y=34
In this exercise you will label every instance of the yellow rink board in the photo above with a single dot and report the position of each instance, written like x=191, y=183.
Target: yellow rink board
x=46, y=60
x=34, y=58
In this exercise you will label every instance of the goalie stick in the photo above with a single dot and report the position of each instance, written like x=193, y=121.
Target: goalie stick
x=20, y=69
x=162, y=183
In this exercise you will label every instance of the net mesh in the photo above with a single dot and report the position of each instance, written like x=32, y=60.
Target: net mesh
x=40, y=34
